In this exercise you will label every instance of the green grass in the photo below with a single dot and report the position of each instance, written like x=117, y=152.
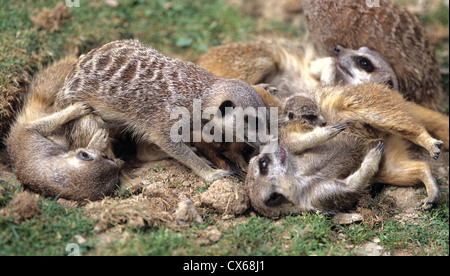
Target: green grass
x=45, y=234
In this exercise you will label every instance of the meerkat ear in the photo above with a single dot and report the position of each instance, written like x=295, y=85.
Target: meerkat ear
x=224, y=105
x=390, y=84
x=275, y=200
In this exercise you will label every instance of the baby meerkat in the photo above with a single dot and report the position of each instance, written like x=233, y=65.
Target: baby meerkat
x=301, y=110
x=135, y=87
x=387, y=28
x=43, y=155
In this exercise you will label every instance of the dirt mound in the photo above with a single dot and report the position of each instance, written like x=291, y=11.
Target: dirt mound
x=166, y=192
x=52, y=20
x=23, y=207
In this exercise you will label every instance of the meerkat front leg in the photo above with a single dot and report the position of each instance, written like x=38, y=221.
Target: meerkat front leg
x=47, y=125
x=298, y=142
x=187, y=157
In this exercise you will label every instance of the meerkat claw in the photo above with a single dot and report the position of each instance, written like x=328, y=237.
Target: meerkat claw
x=436, y=150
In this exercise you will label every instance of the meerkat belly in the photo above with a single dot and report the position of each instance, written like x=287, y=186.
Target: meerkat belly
x=339, y=157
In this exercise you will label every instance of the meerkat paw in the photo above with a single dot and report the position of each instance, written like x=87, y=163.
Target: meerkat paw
x=376, y=153
x=431, y=199
x=216, y=174
x=99, y=140
x=372, y=160
x=268, y=88
x=436, y=149
x=335, y=130
x=82, y=109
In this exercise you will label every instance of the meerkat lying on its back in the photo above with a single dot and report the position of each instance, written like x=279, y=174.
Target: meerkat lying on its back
x=294, y=70
x=327, y=168
x=48, y=156
x=137, y=88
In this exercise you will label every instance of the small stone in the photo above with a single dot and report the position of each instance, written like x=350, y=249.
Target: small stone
x=186, y=213
x=347, y=218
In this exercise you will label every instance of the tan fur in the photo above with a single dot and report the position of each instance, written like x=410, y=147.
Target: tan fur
x=372, y=112
x=46, y=157
x=326, y=168
x=297, y=68
x=390, y=30
x=134, y=87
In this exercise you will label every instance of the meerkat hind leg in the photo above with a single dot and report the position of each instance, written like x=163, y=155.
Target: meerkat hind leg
x=400, y=170
x=386, y=110
x=369, y=167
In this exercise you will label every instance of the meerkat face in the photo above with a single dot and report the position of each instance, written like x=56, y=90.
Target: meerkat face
x=271, y=190
x=90, y=174
x=364, y=66
x=302, y=110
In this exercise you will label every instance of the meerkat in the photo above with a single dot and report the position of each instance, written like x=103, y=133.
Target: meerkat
x=296, y=68
x=301, y=110
x=326, y=168
x=291, y=74
x=136, y=87
x=387, y=28
x=45, y=156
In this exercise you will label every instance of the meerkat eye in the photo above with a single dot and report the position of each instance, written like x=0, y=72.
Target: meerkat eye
x=264, y=164
x=84, y=156
x=310, y=117
x=291, y=115
x=365, y=64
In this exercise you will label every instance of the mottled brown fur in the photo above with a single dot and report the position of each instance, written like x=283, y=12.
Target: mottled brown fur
x=371, y=110
x=390, y=30
x=315, y=170
x=136, y=88
x=52, y=158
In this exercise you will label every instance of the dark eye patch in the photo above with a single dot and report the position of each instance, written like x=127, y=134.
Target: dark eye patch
x=365, y=64
x=264, y=164
x=310, y=117
x=85, y=156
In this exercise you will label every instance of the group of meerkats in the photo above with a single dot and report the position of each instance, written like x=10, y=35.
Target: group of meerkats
x=352, y=98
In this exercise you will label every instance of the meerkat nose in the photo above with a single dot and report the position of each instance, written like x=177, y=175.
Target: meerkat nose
x=337, y=50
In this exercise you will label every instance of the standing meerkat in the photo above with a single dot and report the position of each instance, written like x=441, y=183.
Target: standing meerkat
x=135, y=87
x=51, y=158
x=387, y=28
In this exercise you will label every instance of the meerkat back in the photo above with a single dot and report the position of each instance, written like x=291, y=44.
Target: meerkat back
x=387, y=28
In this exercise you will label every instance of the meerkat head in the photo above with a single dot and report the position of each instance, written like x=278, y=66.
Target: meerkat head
x=270, y=182
x=363, y=66
x=302, y=110
x=89, y=173
x=241, y=109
